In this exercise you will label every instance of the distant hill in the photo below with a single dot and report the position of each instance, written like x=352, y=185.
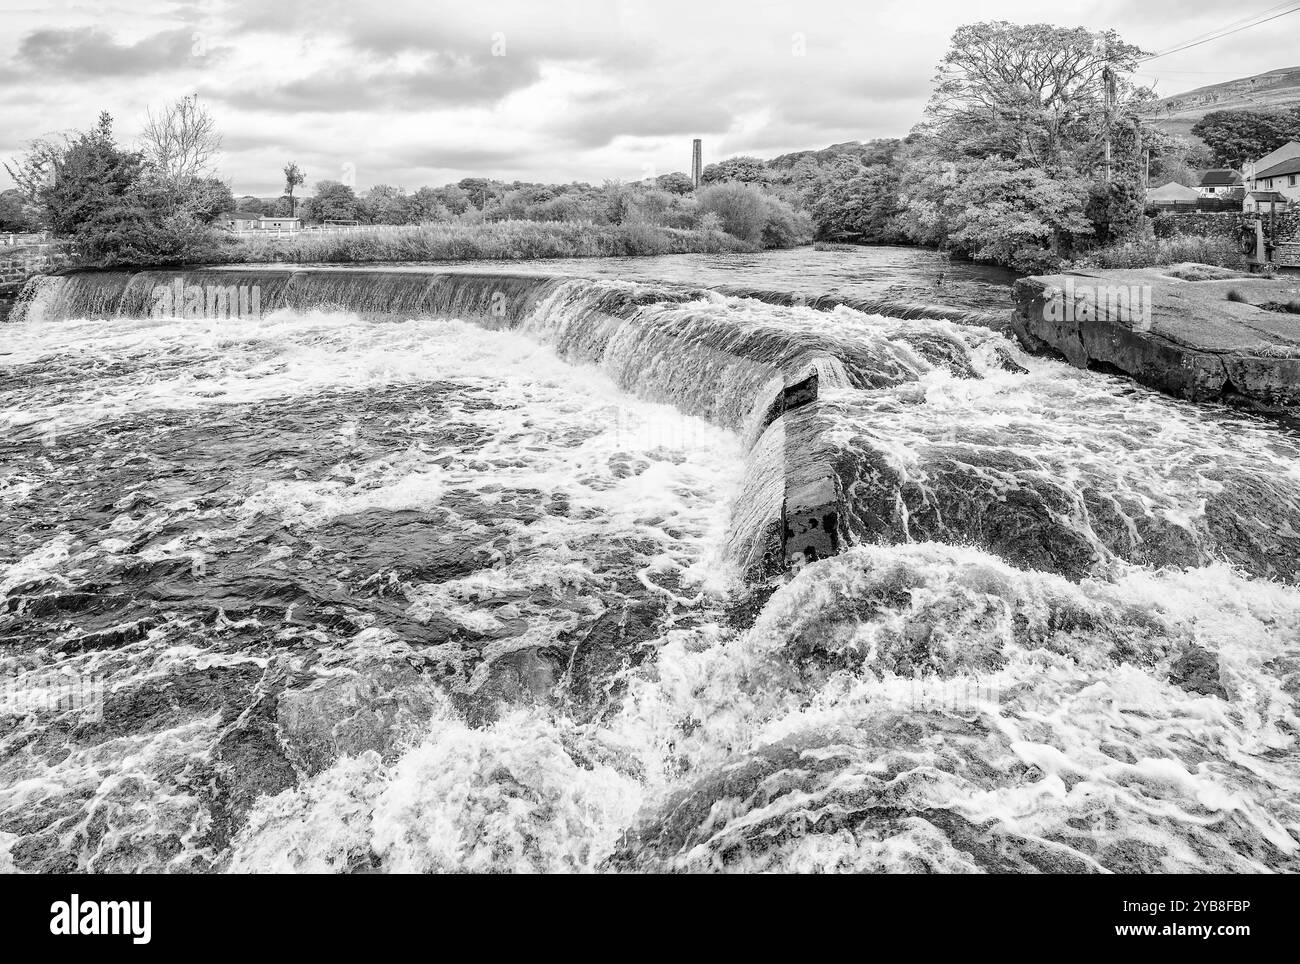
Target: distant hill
x=872, y=152
x=1274, y=90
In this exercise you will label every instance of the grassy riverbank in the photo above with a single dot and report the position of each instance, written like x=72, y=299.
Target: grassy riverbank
x=1159, y=252
x=500, y=240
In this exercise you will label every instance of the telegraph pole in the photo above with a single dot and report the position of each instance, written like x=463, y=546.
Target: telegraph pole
x=1108, y=81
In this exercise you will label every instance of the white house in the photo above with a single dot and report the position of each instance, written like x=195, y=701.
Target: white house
x=267, y=223
x=1284, y=153
x=1273, y=175
x=243, y=221
x=1221, y=183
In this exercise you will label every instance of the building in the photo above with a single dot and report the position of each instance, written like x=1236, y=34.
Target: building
x=1275, y=179
x=1173, y=195
x=246, y=221
x=267, y=223
x=1284, y=153
x=1222, y=183
x=240, y=220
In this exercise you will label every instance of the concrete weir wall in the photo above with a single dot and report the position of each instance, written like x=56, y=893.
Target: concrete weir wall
x=789, y=511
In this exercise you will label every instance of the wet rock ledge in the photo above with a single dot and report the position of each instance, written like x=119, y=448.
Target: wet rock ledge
x=1228, y=338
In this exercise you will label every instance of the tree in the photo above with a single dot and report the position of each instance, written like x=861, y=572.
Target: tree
x=333, y=201
x=1236, y=137
x=676, y=182
x=426, y=205
x=1115, y=209
x=750, y=170
x=1030, y=91
x=117, y=208
x=209, y=198
x=384, y=204
x=478, y=190
x=747, y=213
x=858, y=201
x=181, y=142
x=70, y=184
x=293, y=176
x=250, y=204
x=14, y=216
x=993, y=209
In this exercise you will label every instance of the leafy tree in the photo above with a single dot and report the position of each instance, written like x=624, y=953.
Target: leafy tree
x=993, y=209
x=333, y=201
x=14, y=216
x=293, y=176
x=208, y=198
x=427, y=204
x=744, y=211
x=72, y=183
x=1115, y=209
x=858, y=201
x=478, y=190
x=1030, y=91
x=676, y=182
x=1236, y=137
x=384, y=204
x=750, y=170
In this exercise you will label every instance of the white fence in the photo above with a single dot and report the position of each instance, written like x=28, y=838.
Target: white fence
x=25, y=240
x=323, y=229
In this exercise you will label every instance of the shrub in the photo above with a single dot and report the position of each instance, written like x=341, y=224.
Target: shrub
x=754, y=217
x=462, y=241
x=1159, y=252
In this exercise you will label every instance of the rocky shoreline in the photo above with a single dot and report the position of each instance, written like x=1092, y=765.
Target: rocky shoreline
x=1228, y=338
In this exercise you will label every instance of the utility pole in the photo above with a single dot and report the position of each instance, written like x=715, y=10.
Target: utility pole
x=1108, y=95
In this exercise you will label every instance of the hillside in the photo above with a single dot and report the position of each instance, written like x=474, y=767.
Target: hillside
x=1273, y=90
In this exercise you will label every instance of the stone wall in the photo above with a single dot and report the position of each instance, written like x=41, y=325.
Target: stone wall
x=1218, y=224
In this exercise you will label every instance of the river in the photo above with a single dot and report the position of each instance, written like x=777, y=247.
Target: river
x=350, y=587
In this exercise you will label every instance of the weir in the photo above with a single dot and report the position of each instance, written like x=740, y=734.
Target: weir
x=761, y=382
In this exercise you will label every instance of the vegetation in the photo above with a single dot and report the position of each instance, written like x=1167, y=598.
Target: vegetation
x=14, y=215
x=1030, y=154
x=1152, y=252
x=119, y=207
x=1237, y=136
x=459, y=241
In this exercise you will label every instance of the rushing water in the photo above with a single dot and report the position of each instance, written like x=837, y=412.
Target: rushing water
x=372, y=590
x=878, y=273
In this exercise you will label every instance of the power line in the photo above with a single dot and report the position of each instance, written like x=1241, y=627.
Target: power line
x=1227, y=26
x=1220, y=36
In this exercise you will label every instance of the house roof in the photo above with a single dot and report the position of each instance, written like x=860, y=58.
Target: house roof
x=276, y=217
x=1220, y=177
x=1284, y=153
x=1173, y=192
x=1291, y=166
x=1268, y=196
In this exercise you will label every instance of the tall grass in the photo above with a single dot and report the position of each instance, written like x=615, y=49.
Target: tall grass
x=497, y=240
x=1159, y=252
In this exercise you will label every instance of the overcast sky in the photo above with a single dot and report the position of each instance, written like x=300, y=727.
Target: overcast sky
x=415, y=92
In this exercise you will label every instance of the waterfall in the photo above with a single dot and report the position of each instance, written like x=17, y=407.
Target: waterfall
x=869, y=457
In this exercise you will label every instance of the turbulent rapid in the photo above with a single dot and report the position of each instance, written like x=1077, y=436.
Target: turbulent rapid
x=361, y=587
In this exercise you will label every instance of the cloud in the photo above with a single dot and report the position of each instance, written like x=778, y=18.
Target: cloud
x=642, y=116
x=88, y=52
x=443, y=79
